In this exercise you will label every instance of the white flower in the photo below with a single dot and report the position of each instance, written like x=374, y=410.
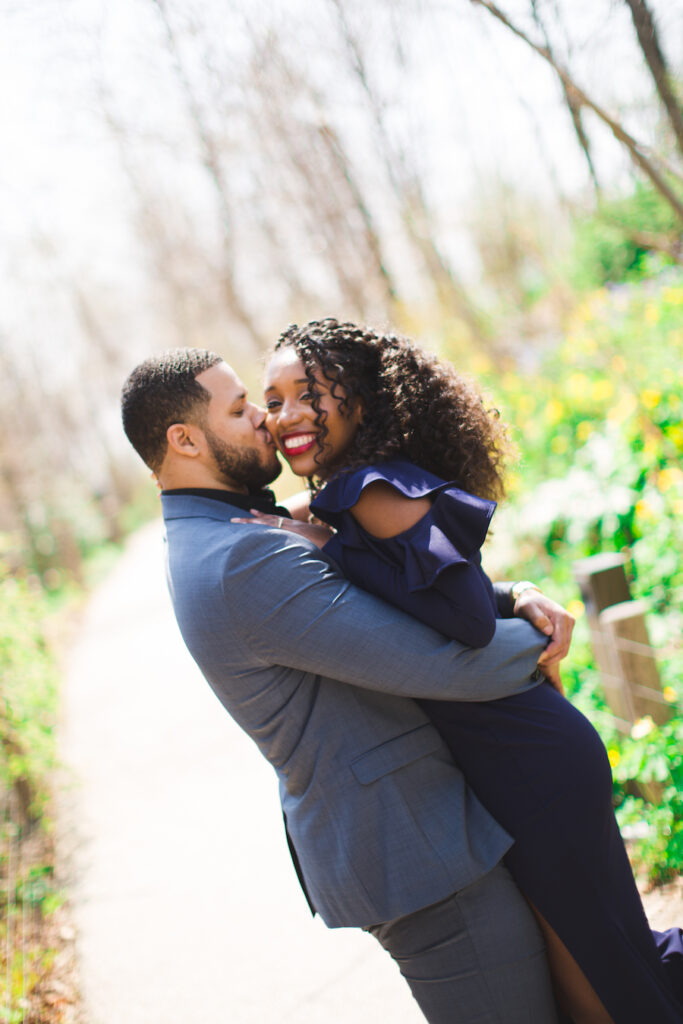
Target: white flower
x=642, y=727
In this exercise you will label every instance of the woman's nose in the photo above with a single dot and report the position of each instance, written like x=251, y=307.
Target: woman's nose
x=290, y=413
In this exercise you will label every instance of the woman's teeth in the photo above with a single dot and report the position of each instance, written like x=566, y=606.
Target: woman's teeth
x=292, y=445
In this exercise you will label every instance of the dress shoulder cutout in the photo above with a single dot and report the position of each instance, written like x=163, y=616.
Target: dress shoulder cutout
x=451, y=532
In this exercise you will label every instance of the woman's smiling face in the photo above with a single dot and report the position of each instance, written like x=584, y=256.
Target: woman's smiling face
x=291, y=418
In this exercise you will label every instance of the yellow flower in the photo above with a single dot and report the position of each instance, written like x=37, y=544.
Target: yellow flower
x=577, y=385
x=513, y=482
x=678, y=507
x=669, y=694
x=602, y=389
x=576, y=608
x=554, y=410
x=643, y=727
x=619, y=364
x=584, y=429
x=675, y=434
x=623, y=409
x=614, y=756
x=673, y=295
x=651, y=445
x=644, y=510
x=650, y=399
x=668, y=478
x=651, y=313
x=583, y=313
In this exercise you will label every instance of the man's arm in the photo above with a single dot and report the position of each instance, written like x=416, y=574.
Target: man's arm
x=293, y=609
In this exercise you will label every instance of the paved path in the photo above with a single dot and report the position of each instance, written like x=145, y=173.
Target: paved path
x=186, y=904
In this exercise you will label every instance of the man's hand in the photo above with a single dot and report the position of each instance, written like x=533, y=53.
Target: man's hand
x=552, y=619
x=318, y=533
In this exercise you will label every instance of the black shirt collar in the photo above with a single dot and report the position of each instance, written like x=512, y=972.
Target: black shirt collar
x=263, y=500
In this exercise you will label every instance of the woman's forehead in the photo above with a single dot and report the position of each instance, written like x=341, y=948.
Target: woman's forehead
x=284, y=365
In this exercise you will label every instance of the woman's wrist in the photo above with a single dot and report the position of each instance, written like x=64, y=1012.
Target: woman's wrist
x=519, y=588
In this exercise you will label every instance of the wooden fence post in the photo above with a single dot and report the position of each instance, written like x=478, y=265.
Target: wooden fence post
x=602, y=582
x=621, y=645
x=623, y=654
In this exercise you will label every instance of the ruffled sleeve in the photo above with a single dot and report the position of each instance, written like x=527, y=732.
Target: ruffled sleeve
x=432, y=570
x=452, y=532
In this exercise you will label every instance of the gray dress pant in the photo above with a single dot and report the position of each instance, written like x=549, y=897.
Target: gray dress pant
x=476, y=957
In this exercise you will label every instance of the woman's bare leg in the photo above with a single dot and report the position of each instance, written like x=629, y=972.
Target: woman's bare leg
x=573, y=991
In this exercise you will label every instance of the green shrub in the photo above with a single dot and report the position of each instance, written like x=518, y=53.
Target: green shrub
x=599, y=425
x=615, y=243
x=28, y=698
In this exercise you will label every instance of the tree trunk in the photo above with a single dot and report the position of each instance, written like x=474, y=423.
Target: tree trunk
x=655, y=60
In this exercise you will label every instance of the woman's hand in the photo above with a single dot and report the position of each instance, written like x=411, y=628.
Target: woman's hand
x=552, y=619
x=318, y=534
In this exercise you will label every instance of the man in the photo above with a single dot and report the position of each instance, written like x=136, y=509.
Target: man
x=387, y=835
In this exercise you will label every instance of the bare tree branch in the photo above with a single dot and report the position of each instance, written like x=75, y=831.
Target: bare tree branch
x=333, y=144
x=410, y=197
x=573, y=105
x=329, y=194
x=635, y=149
x=212, y=164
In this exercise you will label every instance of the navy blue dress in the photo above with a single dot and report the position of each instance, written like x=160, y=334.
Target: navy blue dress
x=532, y=759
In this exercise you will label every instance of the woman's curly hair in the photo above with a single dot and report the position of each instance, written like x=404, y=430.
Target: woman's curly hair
x=415, y=407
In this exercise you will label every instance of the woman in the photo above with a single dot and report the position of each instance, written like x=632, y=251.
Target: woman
x=385, y=427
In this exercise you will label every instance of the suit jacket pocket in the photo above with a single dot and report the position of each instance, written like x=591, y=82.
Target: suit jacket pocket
x=396, y=753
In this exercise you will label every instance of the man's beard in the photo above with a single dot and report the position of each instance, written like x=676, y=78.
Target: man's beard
x=242, y=466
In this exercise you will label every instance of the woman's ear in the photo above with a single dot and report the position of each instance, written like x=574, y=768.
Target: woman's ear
x=183, y=439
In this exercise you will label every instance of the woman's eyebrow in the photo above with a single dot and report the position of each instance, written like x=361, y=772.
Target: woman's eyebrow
x=272, y=387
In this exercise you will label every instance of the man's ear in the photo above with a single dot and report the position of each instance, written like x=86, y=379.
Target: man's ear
x=184, y=439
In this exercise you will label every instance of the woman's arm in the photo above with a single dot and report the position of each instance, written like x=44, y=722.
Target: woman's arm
x=471, y=621
x=458, y=602
x=384, y=512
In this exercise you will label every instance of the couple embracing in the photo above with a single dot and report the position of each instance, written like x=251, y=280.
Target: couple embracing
x=438, y=789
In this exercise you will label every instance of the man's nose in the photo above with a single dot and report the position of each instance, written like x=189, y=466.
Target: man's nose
x=258, y=416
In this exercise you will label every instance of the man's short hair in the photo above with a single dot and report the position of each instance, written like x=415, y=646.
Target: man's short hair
x=161, y=391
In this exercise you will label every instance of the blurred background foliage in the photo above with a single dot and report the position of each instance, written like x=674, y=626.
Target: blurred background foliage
x=221, y=170
x=600, y=431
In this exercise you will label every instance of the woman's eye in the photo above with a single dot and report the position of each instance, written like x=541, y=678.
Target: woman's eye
x=272, y=403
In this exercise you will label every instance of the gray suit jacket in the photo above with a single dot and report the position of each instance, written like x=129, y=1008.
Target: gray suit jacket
x=319, y=674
